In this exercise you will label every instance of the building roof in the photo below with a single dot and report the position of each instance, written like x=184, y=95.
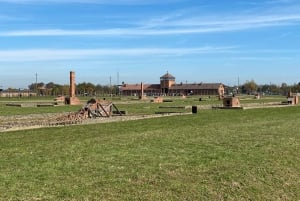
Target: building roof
x=198, y=86
x=202, y=86
x=136, y=87
x=167, y=76
x=181, y=86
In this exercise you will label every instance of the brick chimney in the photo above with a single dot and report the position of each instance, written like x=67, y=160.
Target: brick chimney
x=142, y=89
x=73, y=99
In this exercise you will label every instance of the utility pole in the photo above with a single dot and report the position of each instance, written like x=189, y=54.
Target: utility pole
x=118, y=76
x=238, y=87
x=1, y=90
x=110, y=90
x=118, y=87
x=36, y=83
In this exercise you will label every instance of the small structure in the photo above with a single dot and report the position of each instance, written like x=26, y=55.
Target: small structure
x=293, y=100
x=257, y=96
x=59, y=100
x=10, y=93
x=231, y=102
x=157, y=99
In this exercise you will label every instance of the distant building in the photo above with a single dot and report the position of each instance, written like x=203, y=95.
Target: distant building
x=169, y=87
x=16, y=93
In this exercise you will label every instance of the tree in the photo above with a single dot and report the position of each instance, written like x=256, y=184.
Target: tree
x=284, y=89
x=265, y=88
x=85, y=88
x=50, y=85
x=296, y=88
x=57, y=89
x=274, y=89
x=99, y=90
x=250, y=87
x=39, y=88
x=65, y=90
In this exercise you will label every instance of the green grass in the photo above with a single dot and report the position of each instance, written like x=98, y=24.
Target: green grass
x=126, y=103
x=13, y=110
x=265, y=99
x=213, y=155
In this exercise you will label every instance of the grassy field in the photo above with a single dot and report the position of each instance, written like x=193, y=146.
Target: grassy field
x=212, y=155
x=131, y=104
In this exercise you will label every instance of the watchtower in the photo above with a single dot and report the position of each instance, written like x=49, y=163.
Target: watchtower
x=166, y=81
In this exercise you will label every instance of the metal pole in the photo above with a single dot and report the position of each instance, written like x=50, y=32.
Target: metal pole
x=110, y=90
x=36, y=84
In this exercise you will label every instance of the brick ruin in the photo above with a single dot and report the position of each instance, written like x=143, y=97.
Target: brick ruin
x=231, y=102
x=157, y=99
x=292, y=99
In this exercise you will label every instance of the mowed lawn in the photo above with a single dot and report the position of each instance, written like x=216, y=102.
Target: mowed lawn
x=213, y=155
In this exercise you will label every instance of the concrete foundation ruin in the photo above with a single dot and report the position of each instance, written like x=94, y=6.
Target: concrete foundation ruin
x=157, y=100
x=292, y=99
x=231, y=102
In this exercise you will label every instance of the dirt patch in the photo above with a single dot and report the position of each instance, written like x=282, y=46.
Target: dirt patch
x=32, y=121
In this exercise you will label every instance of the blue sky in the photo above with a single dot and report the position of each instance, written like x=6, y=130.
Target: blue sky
x=140, y=40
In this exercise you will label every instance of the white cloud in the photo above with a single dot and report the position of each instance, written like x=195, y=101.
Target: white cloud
x=237, y=21
x=179, y=22
x=172, y=27
x=79, y=54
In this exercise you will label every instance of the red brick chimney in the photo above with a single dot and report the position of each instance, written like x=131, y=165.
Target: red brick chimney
x=72, y=84
x=73, y=99
x=142, y=90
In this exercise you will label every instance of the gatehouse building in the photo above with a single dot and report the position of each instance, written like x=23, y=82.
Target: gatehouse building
x=169, y=87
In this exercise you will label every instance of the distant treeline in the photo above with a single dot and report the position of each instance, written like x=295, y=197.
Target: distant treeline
x=90, y=89
x=82, y=89
x=250, y=87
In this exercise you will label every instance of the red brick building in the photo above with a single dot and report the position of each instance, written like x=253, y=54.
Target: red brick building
x=169, y=87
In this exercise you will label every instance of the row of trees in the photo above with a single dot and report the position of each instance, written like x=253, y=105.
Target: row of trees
x=250, y=87
x=82, y=89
